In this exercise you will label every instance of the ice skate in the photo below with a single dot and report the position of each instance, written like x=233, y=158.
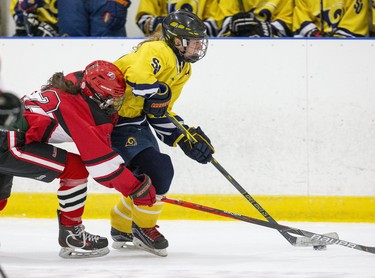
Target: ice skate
x=75, y=242
x=150, y=240
x=122, y=240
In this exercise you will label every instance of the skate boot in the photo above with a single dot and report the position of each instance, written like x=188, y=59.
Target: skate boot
x=121, y=239
x=150, y=240
x=75, y=242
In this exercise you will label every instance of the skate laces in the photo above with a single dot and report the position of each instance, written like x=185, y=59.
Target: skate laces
x=152, y=233
x=82, y=235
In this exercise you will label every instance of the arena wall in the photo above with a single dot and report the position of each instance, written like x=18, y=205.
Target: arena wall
x=291, y=119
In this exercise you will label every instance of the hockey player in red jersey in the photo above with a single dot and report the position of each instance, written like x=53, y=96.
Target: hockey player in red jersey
x=80, y=108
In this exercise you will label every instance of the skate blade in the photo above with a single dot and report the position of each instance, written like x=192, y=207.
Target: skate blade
x=121, y=245
x=72, y=253
x=305, y=241
x=159, y=252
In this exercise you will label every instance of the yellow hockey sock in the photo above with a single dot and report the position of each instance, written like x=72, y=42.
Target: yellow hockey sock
x=121, y=215
x=146, y=217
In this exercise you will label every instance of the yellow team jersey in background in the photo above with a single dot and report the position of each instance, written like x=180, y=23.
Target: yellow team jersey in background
x=341, y=18
x=277, y=12
x=47, y=13
x=204, y=9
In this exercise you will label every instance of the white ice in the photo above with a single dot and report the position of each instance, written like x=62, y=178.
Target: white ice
x=29, y=248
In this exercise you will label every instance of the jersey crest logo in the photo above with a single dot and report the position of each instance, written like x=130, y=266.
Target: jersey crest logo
x=156, y=65
x=131, y=142
x=358, y=6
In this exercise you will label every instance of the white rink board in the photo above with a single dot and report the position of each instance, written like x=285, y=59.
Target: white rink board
x=287, y=117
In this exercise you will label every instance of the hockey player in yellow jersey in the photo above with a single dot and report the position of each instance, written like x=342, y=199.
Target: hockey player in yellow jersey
x=35, y=18
x=256, y=18
x=156, y=73
x=151, y=13
x=330, y=18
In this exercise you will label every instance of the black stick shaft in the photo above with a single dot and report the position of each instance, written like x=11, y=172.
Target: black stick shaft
x=292, y=240
x=2, y=273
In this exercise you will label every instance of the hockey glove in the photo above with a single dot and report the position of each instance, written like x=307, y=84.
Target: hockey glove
x=45, y=29
x=152, y=24
x=202, y=150
x=144, y=193
x=115, y=13
x=247, y=25
x=244, y=24
x=35, y=28
x=157, y=105
x=264, y=29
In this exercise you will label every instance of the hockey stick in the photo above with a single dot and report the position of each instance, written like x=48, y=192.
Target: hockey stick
x=317, y=239
x=292, y=239
x=240, y=4
x=2, y=273
x=321, y=17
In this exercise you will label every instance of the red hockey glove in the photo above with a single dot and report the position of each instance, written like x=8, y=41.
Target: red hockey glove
x=115, y=12
x=157, y=105
x=144, y=193
x=202, y=150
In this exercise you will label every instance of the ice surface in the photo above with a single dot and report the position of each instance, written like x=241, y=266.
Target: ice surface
x=29, y=248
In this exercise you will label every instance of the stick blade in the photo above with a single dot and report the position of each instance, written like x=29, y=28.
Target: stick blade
x=306, y=241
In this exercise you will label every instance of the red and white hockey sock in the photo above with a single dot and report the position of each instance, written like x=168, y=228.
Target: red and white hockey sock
x=73, y=191
x=72, y=198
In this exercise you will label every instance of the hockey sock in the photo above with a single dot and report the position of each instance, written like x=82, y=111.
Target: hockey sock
x=121, y=215
x=72, y=191
x=146, y=217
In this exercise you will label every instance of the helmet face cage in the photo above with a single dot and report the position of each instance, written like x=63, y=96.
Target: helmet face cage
x=104, y=83
x=10, y=110
x=190, y=30
x=110, y=104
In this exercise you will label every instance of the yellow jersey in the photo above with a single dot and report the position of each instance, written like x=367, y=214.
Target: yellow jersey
x=151, y=63
x=47, y=13
x=206, y=10
x=336, y=18
x=279, y=13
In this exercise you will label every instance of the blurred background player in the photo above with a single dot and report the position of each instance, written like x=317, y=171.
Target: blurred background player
x=154, y=82
x=99, y=18
x=331, y=18
x=151, y=13
x=35, y=18
x=10, y=112
x=72, y=108
x=256, y=18
x=371, y=18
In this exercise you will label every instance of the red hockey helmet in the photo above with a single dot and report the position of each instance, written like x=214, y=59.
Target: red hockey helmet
x=104, y=83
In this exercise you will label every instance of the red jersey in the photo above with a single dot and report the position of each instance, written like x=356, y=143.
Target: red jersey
x=55, y=116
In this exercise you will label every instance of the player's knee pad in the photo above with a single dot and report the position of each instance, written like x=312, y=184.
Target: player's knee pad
x=157, y=166
x=74, y=168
